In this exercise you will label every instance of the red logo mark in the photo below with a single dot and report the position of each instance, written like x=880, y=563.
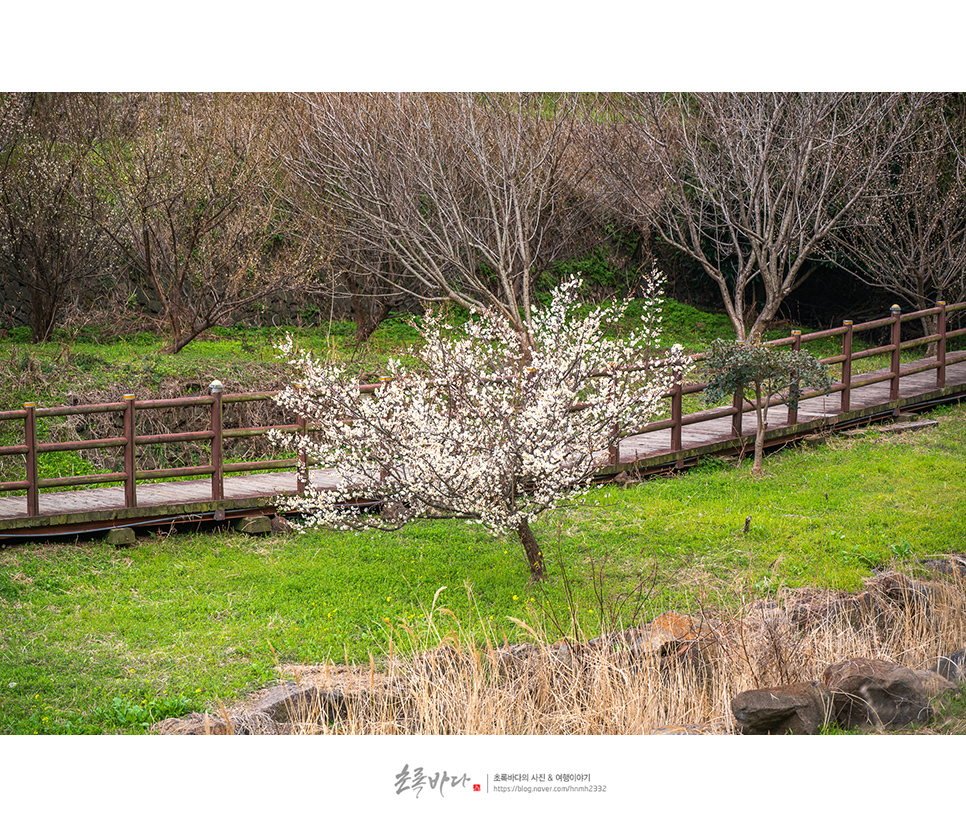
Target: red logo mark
x=476, y=787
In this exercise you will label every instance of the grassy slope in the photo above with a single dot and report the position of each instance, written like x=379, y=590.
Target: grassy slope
x=94, y=638
x=202, y=617
x=46, y=373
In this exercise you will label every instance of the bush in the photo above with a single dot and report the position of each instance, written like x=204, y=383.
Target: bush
x=759, y=374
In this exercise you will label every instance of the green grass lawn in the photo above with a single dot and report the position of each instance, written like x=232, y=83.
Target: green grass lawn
x=97, y=639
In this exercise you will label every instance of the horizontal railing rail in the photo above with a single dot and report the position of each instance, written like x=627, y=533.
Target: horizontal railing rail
x=215, y=435
x=845, y=384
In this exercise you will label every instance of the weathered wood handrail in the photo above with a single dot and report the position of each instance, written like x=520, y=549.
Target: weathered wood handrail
x=845, y=385
x=217, y=433
x=131, y=441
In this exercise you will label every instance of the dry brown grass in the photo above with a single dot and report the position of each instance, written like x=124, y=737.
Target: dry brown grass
x=622, y=685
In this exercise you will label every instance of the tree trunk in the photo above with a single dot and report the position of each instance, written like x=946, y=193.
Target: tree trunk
x=761, y=414
x=757, y=467
x=367, y=311
x=533, y=552
x=43, y=312
x=368, y=318
x=182, y=340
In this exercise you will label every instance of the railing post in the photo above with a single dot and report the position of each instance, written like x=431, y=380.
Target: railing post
x=217, y=452
x=614, y=450
x=130, y=455
x=941, y=347
x=896, y=350
x=793, y=387
x=738, y=403
x=30, y=440
x=676, y=411
x=847, y=367
x=301, y=462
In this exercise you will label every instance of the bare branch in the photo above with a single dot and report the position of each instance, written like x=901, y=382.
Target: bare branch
x=751, y=184
x=468, y=196
x=195, y=207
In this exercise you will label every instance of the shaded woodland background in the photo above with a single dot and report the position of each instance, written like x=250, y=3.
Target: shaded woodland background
x=175, y=213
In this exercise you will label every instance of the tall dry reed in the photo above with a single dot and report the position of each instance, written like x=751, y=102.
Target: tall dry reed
x=461, y=681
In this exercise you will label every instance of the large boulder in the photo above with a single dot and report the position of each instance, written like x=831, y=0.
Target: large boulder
x=667, y=637
x=821, y=608
x=799, y=708
x=671, y=632
x=301, y=703
x=205, y=724
x=886, y=599
x=876, y=692
x=193, y=724
x=902, y=591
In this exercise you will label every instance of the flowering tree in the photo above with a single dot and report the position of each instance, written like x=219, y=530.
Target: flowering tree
x=761, y=373
x=484, y=423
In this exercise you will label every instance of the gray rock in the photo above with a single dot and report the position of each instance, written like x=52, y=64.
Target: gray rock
x=876, y=692
x=934, y=683
x=952, y=564
x=710, y=728
x=799, y=708
x=820, y=608
x=121, y=537
x=902, y=590
x=253, y=525
x=951, y=667
x=194, y=724
x=302, y=703
x=205, y=724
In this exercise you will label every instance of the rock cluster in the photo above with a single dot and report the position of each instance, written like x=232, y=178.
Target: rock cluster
x=324, y=694
x=859, y=691
x=856, y=692
x=318, y=695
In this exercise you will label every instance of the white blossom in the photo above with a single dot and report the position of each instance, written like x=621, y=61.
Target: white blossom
x=483, y=425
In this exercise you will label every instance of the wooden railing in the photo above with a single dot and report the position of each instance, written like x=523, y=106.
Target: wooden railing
x=845, y=384
x=130, y=441
x=216, y=467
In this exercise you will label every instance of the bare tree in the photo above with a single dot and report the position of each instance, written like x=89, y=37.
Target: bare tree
x=465, y=197
x=50, y=244
x=750, y=184
x=909, y=237
x=371, y=278
x=352, y=272
x=194, y=205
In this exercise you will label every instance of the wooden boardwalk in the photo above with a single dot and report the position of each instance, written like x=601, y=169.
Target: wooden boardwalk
x=869, y=403
x=185, y=501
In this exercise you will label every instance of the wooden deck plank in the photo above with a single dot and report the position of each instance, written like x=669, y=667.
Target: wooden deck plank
x=714, y=435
